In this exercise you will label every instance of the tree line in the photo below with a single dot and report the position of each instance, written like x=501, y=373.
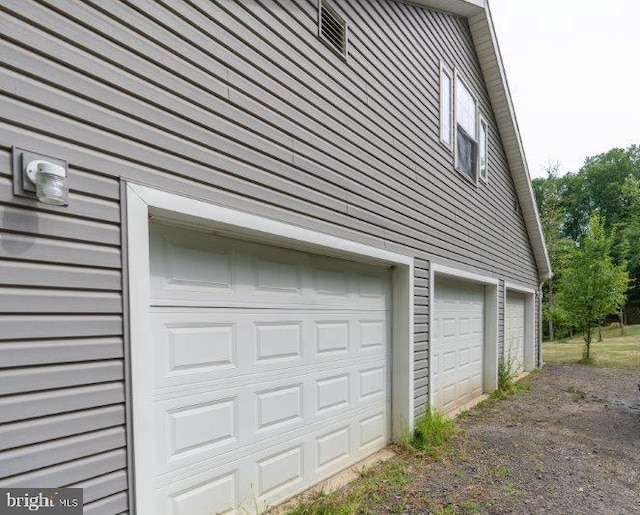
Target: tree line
x=591, y=223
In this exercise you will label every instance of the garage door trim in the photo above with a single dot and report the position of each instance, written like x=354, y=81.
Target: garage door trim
x=490, y=372
x=529, y=321
x=141, y=202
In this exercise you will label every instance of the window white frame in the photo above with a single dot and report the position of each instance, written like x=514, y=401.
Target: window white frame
x=446, y=106
x=464, y=132
x=483, y=148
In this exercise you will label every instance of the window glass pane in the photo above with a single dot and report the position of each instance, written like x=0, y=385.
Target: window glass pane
x=445, y=108
x=466, y=154
x=465, y=109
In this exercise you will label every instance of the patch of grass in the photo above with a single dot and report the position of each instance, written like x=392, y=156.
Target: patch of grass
x=511, y=489
x=465, y=508
x=502, y=471
x=374, y=486
x=432, y=433
x=614, y=351
x=498, y=394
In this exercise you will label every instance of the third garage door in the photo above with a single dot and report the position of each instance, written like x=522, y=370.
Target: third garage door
x=514, y=331
x=458, y=343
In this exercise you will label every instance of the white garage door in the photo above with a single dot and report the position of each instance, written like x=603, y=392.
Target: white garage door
x=271, y=370
x=514, y=331
x=458, y=343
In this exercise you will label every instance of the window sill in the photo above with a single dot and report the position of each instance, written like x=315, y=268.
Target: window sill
x=464, y=174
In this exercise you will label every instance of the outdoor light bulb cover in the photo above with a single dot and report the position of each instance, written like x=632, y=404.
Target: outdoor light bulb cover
x=50, y=180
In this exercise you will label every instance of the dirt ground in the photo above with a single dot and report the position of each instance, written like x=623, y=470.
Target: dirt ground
x=569, y=445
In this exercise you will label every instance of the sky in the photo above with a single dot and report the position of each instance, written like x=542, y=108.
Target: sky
x=573, y=68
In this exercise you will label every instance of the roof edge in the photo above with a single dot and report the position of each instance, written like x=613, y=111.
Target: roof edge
x=464, y=8
x=483, y=31
x=478, y=14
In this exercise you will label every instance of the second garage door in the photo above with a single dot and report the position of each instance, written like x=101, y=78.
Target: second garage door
x=270, y=370
x=458, y=343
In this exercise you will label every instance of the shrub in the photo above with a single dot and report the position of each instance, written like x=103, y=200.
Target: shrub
x=505, y=375
x=506, y=383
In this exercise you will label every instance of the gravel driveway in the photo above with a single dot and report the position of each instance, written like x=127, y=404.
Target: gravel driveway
x=569, y=445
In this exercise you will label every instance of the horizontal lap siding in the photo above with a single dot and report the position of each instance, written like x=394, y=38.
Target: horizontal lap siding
x=236, y=103
x=501, y=318
x=538, y=329
x=62, y=420
x=422, y=290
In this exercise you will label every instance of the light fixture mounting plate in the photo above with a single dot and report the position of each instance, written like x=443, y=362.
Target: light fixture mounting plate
x=23, y=186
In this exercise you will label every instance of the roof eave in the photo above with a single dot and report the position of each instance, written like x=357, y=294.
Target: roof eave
x=488, y=50
x=464, y=8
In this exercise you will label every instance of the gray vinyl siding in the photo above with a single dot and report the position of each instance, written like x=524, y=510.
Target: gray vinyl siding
x=501, y=318
x=236, y=103
x=538, y=328
x=421, y=335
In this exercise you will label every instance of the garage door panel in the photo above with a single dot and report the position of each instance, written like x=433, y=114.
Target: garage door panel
x=321, y=450
x=192, y=428
x=203, y=346
x=197, y=498
x=207, y=425
x=215, y=271
x=332, y=337
x=285, y=467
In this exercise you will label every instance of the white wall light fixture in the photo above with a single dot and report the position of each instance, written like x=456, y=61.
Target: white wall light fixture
x=41, y=177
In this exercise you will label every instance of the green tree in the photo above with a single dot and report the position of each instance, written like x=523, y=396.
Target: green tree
x=549, y=199
x=610, y=183
x=628, y=243
x=604, y=176
x=592, y=285
x=597, y=186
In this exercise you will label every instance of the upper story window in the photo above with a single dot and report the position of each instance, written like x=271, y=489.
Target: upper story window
x=446, y=105
x=462, y=129
x=466, y=156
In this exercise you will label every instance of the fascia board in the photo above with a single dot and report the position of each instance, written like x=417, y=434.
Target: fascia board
x=482, y=31
x=464, y=8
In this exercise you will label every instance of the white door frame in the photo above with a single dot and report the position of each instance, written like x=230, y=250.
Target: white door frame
x=529, y=321
x=490, y=344
x=143, y=202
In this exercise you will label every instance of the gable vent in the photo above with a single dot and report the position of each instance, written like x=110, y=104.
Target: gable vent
x=333, y=29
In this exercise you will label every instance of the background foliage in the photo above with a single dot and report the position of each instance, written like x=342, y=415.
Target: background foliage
x=608, y=184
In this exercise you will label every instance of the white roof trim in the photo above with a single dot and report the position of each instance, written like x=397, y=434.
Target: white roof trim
x=478, y=14
x=464, y=8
